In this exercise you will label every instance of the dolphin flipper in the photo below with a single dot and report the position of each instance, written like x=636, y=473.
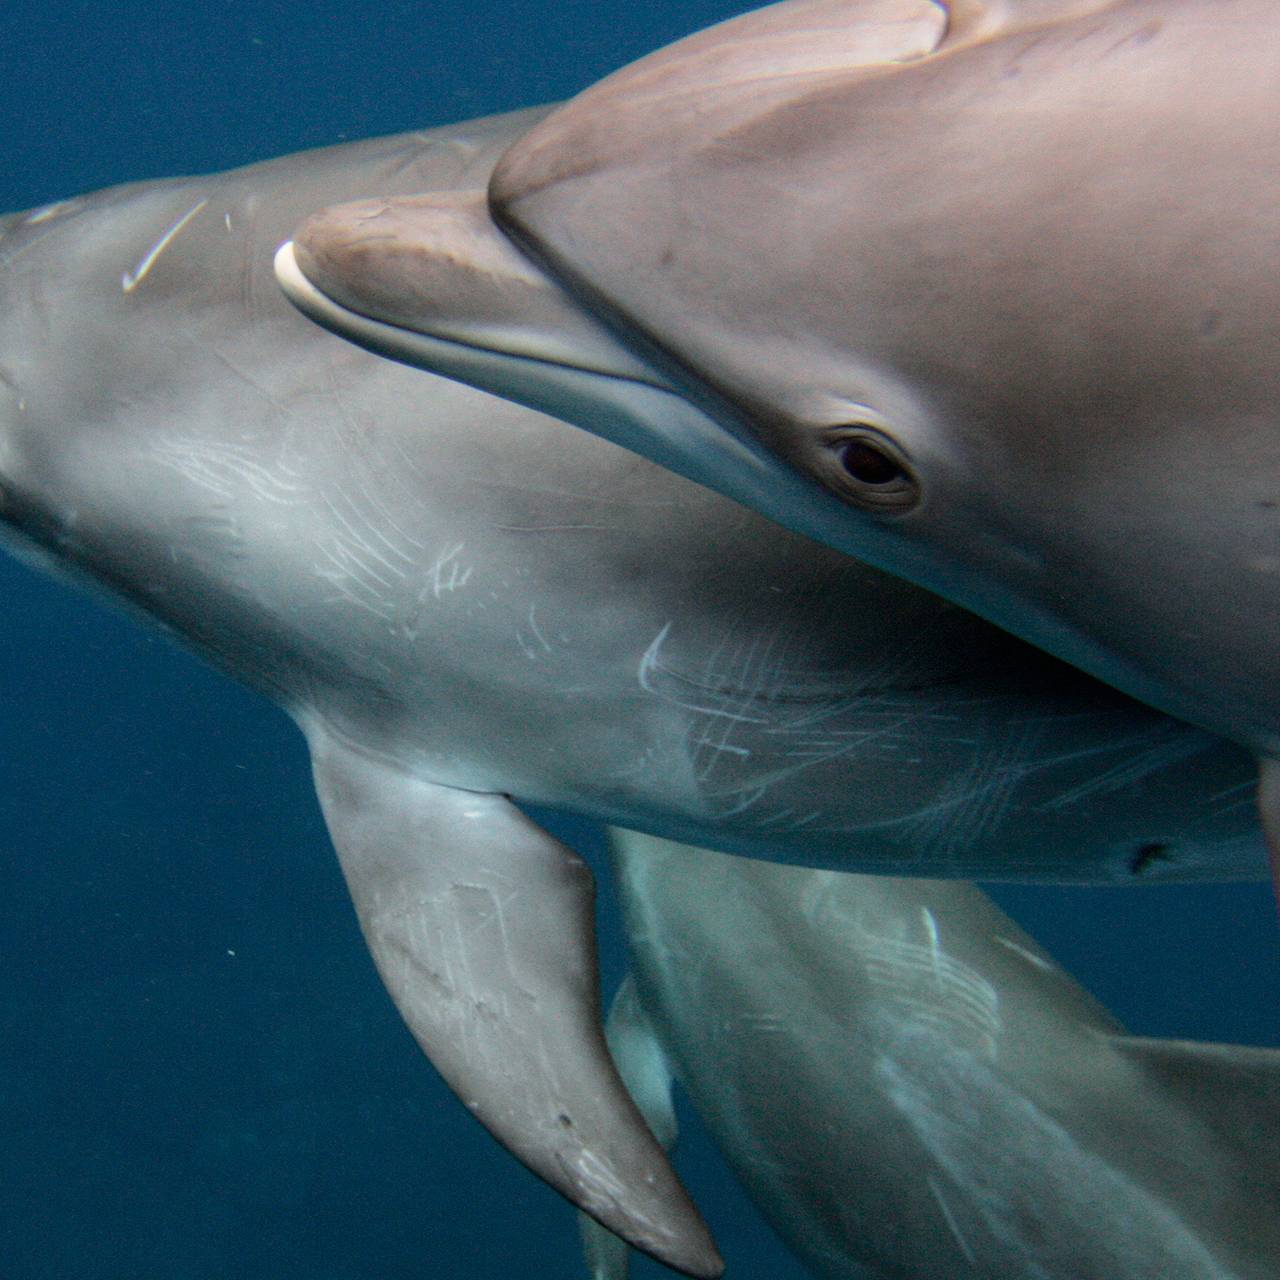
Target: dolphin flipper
x=481, y=926
x=643, y=1065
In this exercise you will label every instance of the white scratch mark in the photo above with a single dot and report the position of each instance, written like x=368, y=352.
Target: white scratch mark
x=447, y=574
x=227, y=471
x=49, y=211
x=930, y=989
x=1167, y=747
x=349, y=560
x=649, y=664
x=130, y=280
x=533, y=626
x=1030, y=956
x=749, y=799
x=372, y=499
x=345, y=578
x=935, y=951
x=354, y=534
x=649, y=659
x=226, y=218
x=951, y=1222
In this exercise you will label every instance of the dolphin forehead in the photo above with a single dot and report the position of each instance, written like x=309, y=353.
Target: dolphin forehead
x=925, y=219
x=767, y=55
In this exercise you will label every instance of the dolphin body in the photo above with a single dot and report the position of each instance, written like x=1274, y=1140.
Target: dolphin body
x=910, y=1088
x=460, y=601
x=982, y=292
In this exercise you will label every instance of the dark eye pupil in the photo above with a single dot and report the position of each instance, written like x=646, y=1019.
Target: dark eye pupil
x=866, y=463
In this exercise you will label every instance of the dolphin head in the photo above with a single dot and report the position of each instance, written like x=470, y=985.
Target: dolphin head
x=431, y=282
x=993, y=279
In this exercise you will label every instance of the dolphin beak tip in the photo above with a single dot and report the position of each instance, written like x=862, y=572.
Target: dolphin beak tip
x=304, y=295
x=289, y=275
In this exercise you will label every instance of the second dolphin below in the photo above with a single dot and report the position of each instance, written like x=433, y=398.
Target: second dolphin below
x=910, y=1088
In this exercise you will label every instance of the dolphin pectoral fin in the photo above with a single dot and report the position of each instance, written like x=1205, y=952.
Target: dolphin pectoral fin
x=1269, y=813
x=643, y=1066
x=1232, y=1091
x=481, y=926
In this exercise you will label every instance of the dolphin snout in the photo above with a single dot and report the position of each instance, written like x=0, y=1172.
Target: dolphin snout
x=420, y=262
x=437, y=266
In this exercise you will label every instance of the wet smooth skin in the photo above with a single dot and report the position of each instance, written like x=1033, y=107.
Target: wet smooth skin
x=1027, y=260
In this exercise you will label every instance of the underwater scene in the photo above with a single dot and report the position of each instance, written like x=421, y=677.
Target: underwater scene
x=201, y=1075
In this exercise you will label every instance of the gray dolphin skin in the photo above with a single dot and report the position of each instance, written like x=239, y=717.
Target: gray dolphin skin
x=461, y=602
x=911, y=1089
x=981, y=292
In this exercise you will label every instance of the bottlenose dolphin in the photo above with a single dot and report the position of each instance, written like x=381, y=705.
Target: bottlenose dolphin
x=460, y=601
x=910, y=1088
x=979, y=291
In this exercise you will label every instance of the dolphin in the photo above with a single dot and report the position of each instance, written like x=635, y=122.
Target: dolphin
x=461, y=602
x=910, y=1088
x=979, y=291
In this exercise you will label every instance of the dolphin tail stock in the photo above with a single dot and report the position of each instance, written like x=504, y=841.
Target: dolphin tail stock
x=644, y=1069
x=480, y=924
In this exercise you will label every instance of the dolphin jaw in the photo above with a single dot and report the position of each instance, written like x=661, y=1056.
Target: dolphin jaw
x=418, y=344
x=436, y=265
x=627, y=404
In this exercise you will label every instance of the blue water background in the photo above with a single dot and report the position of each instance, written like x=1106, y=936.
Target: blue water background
x=200, y=1077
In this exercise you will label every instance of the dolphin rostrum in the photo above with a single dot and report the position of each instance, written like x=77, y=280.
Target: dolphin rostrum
x=910, y=1088
x=460, y=601
x=979, y=291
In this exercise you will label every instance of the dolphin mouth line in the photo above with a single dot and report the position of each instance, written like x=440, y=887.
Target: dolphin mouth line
x=414, y=346
x=574, y=391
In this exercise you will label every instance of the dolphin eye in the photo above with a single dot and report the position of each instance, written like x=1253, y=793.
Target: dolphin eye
x=871, y=471
x=869, y=465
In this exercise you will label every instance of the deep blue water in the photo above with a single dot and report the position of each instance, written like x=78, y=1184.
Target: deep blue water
x=199, y=1074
